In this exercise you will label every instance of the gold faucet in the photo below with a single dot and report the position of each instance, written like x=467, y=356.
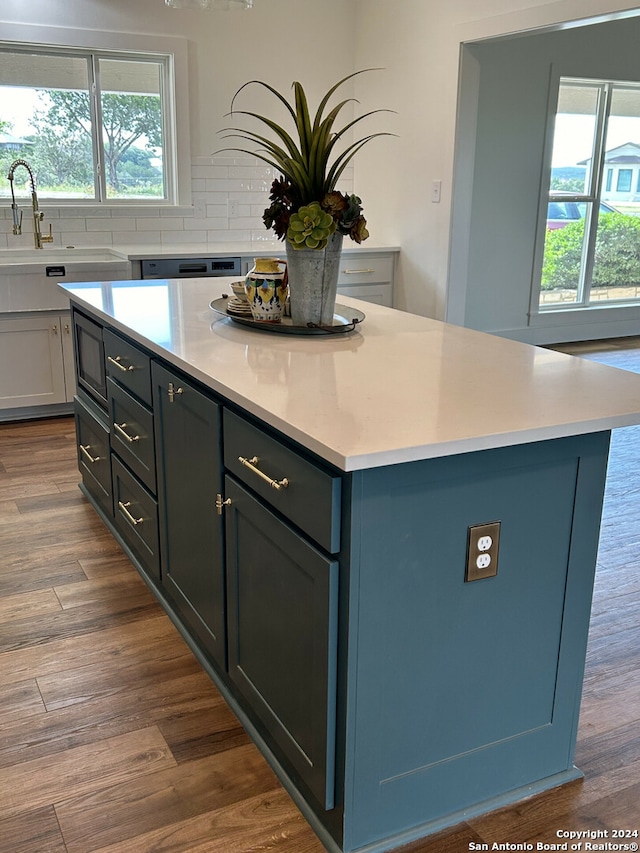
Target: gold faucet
x=38, y=237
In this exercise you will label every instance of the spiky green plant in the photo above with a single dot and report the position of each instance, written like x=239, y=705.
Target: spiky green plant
x=310, y=163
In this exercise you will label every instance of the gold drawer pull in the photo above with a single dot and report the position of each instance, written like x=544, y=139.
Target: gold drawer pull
x=251, y=465
x=121, y=429
x=86, y=450
x=172, y=391
x=119, y=364
x=356, y=272
x=220, y=504
x=127, y=514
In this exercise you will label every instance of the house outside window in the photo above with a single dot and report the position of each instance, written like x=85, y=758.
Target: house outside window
x=590, y=258
x=93, y=125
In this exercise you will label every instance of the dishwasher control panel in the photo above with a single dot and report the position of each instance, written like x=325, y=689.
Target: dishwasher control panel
x=190, y=267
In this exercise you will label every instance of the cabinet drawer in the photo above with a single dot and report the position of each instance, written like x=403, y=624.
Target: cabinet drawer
x=94, y=454
x=379, y=294
x=132, y=433
x=365, y=269
x=136, y=517
x=302, y=491
x=128, y=365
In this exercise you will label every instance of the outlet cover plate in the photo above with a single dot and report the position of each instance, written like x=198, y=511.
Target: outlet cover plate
x=483, y=541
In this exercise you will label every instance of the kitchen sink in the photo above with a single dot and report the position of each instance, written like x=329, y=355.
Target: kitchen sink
x=29, y=277
x=60, y=255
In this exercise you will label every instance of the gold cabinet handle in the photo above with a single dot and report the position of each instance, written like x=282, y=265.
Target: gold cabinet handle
x=172, y=391
x=121, y=429
x=220, y=504
x=356, y=272
x=125, y=510
x=118, y=363
x=252, y=463
x=54, y=329
x=85, y=449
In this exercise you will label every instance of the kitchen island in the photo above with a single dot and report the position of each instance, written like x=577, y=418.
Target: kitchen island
x=381, y=545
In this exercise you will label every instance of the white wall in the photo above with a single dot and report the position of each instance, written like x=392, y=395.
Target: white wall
x=418, y=43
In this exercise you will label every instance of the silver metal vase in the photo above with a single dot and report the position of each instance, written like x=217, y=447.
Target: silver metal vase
x=313, y=282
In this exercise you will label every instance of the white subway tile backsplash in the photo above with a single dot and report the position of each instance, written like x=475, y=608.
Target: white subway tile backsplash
x=263, y=173
x=217, y=211
x=228, y=237
x=210, y=223
x=229, y=185
x=107, y=224
x=215, y=180
x=241, y=222
x=139, y=238
x=183, y=237
x=86, y=238
x=66, y=224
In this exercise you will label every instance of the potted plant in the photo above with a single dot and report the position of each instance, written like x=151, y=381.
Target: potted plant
x=306, y=209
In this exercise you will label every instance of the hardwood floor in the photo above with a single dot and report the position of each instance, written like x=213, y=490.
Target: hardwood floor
x=112, y=738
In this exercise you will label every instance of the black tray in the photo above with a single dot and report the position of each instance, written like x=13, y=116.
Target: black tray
x=345, y=319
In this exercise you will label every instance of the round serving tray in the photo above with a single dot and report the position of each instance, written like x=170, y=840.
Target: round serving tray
x=345, y=319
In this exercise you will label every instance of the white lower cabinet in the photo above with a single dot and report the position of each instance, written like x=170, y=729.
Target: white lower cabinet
x=36, y=352
x=367, y=277
x=363, y=275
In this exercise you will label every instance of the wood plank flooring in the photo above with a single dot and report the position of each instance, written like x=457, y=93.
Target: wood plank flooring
x=113, y=740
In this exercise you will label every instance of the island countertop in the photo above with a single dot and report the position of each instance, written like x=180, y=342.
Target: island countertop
x=399, y=388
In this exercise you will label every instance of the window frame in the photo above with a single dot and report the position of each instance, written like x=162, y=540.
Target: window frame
x=171, y=52
x=598, y=175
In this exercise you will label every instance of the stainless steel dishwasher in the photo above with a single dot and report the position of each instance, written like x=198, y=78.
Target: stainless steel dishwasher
x=190, y=267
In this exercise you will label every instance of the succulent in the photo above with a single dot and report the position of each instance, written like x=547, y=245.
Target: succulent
x=310, y=227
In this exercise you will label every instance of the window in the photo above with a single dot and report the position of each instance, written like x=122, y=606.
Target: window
x=624, y=181
x=94, y=126
x=592, y=258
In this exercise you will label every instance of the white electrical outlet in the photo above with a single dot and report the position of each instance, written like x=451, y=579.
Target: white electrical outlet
x=200, y=208
x=233, y=208
x=483, y=541
x=436, y=192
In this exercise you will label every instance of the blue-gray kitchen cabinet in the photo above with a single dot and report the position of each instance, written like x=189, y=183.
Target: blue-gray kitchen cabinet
x=189, y=473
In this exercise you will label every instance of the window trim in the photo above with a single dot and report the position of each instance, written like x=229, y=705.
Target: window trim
x=103, y=43
x=540, y=314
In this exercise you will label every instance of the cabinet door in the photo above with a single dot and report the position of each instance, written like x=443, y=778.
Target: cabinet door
x=32, y=367
x=189, y=470
x=282, y=627
x=89, y=348
x=67, y=356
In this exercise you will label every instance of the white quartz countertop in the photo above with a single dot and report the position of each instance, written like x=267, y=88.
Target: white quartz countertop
x=399, y=388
